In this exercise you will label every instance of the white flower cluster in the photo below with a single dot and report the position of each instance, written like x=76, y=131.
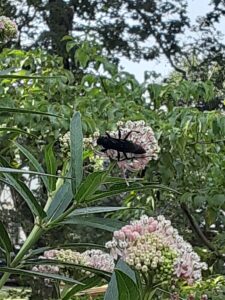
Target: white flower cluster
x=91, y=258
x=64, y=141
x=8, y=29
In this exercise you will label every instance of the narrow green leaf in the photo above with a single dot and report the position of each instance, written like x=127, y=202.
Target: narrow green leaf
x=101, y=223
x=51, y=165
x=60, y=201
x=53, y=262
x=14, y=76
x=21, y=171
x=88, y=283
x=95, y=210
x=39, y=274
x=118, y=189
x=5, y=241
x=38, y=251
x=27, y=111
x=37, y=166
x=76, y=150
x=26, y=194
x=89, y=186
x=13, y=129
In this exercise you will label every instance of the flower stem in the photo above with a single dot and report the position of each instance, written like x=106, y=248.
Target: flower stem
x=31, y=239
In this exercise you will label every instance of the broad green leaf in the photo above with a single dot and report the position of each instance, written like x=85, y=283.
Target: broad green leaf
x=60, y=201
x=122, y=284
x=101, y=223
x=122, y=266
x=5, y=241
x=127, y=289
x=88, y=283
x=89, y=186
x=112, y=290
x=51, y=166
x=13, y=129
x=27, y=111
x=95, y=210
x=37, y=166
x=26, y=194
x=76, y=150
x=39, y=274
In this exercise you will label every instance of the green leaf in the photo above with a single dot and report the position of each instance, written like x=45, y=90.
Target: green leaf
x=5, y=241
x=13, y=129
x=112, y=290
x=95, y=210
x=118, y=189
x=27, y=111
x=127, y=289
x=53, y=262
x=26, y=194
x=13, y=76
x=51, y=165
x=39, y=274
x=89, y=186
x=101, y=223
x=88, y=282
x=76, y=149
x=37, y=166
x=82, y=57
x=38, y=251
x=21, y=171
x=122, y=284
x=60, y=201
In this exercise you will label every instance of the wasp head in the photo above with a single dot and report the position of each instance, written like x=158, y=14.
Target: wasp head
x=102, y=140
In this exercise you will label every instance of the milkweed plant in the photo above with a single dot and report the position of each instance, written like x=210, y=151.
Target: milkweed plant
x=148, y=255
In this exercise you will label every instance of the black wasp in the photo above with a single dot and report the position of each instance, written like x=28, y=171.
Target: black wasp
x=120, y=145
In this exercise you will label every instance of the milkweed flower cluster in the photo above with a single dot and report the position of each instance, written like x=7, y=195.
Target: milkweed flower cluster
x=64, y=141
x=154, y=246
x=91, y=258
x=140, y=134
x=8, y=29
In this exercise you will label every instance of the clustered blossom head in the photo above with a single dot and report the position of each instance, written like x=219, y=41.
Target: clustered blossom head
x=91, y=258
x=149, y=243
x=64, y=141
x=140, y=134
x=175, y=296
x=8, y=28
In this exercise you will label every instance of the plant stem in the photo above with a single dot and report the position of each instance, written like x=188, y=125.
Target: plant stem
x=31, y=239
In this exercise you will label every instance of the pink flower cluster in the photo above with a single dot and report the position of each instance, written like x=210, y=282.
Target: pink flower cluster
x=186, y=263
x=8, y=28
x=141, y=135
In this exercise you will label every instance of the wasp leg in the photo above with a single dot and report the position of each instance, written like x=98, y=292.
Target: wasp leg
x=133, y=157
x=126, y=157
x=119, y=135
x=128, y=134
x=108, y=135
x=118, y=155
